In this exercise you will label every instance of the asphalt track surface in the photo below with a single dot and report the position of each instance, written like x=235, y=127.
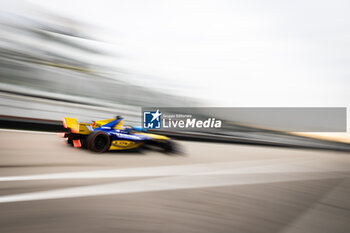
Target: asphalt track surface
x=47, y=186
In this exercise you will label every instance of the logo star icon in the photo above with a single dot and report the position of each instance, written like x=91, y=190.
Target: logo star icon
x=156, y=115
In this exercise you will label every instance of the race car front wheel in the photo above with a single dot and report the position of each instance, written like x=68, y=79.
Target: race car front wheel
x=98, y=142
x=170, y=147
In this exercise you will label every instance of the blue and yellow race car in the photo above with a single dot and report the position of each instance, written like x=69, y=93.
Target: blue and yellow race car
x=111, y=134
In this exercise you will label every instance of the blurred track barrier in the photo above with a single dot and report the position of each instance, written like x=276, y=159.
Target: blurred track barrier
x=10, y=122
x=56, y=107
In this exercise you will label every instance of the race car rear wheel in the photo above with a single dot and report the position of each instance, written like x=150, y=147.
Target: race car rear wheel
x=98, y=142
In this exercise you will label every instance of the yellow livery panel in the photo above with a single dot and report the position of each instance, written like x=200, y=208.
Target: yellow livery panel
x=124, y=144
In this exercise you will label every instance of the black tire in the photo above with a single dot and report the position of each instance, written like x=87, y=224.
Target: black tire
x=170, y=147
x=98, y=142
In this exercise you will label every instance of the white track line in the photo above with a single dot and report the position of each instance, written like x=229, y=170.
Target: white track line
x=184, y=177
x=26, y=131
x=164, y=184
x=245, y=167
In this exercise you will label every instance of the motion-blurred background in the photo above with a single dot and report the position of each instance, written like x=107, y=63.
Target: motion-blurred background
x=96, y=59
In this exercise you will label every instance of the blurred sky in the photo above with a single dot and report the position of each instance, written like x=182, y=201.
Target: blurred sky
x=227, y=53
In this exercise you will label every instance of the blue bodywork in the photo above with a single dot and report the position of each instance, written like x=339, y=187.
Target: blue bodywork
x=122, y=134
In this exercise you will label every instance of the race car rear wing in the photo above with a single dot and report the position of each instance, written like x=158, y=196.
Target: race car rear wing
x=75, y=126
x=69, y=122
